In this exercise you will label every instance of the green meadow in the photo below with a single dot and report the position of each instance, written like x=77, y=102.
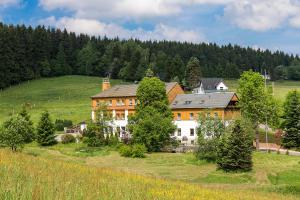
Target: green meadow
x=281, y=88
x=74, y=171
x=68, y=97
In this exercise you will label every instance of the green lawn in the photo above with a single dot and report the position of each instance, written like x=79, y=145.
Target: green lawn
x=281, y=88
x=66, y=97
x=271, y=172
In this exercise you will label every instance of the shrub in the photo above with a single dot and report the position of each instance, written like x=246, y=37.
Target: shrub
x=14, y=132
x=134, y=151
x=67, y=138
x=60, y=124
x=125, y=151
x=138, y=151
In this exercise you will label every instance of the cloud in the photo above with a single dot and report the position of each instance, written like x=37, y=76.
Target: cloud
x=261, y=15
x=95, y=27
x=6, y=3
x=256, y=15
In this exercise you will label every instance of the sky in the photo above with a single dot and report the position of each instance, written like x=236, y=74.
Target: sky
x=264, y=24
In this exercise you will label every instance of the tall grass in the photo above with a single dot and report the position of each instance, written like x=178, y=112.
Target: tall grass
x=28, y=177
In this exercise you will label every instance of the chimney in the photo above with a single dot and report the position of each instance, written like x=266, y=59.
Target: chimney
x=105, y=84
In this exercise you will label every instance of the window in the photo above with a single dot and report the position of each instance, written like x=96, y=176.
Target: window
x=178, y=116
x=208, y=115
x=179, y=132
x=117, y=116
x=192, y=132
x=216, y=115
x=122, y=116
x=120, y=102
x=191, y=116
x=221, y=88
x=192, y=142
x=172, y=134
x=130, y=102
x=98, y=103
x=187, y=102
x=109, y=102
x=135, y=101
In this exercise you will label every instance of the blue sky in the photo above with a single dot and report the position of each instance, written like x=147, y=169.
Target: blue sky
x=272, y=24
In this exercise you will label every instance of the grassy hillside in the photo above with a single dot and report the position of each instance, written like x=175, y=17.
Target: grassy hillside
x=281, y=88
x=66, y=97
x=48, y=174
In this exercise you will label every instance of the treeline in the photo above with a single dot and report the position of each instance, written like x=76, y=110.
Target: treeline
x=28, y=53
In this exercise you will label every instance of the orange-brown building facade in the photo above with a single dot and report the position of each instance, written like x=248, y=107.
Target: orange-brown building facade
x=121, y=101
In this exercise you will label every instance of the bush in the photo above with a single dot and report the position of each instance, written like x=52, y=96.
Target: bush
x=67, y=138
x=125, y=151
x=135, y=151
x=60, y=124
x=138, y=151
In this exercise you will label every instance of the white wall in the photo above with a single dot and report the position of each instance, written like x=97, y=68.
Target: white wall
x=221, y=84
x=185, y=126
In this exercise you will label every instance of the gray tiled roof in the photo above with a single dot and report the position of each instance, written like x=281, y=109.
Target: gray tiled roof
x=210, y=100
x=210, y=83
x=126, y=90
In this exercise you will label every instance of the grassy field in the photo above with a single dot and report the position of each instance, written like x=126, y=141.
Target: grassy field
x=68, y=172
x=281, y=88
x=66, y=97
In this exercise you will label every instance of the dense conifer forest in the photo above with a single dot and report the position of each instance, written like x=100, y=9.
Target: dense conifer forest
x=28, y=53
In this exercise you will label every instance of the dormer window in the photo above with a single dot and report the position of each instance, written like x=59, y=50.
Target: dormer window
x=187, y=102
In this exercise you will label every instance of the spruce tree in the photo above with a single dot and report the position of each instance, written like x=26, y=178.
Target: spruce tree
x=291, y=123
x=193, y=72
x=235, y=149
x=46, y=130
x=29, y=136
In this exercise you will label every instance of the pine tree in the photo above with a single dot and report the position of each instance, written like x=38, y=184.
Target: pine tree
x=291, y=123
x=235, y=149
x=193, y=72
x=46, y=130
x=29, y=136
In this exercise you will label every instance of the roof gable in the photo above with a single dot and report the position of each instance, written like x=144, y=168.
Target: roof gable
x=210, y=83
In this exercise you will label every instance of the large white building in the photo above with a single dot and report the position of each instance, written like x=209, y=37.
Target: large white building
x=187, y=108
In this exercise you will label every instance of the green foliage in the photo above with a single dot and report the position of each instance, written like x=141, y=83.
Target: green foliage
x=60, y=124
x=256, y=103
x=29, y=136
x=46, y=130
x=98, y=132
x=152, y=124
x=14, y=133
x=209, y=132
x=125, y=151
x=149, y=73
x=30, y=53
x=94, y=136
x=235, y=149
x=193, y=72
x=291, y=122
x=134, y=151
x=67, y=138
